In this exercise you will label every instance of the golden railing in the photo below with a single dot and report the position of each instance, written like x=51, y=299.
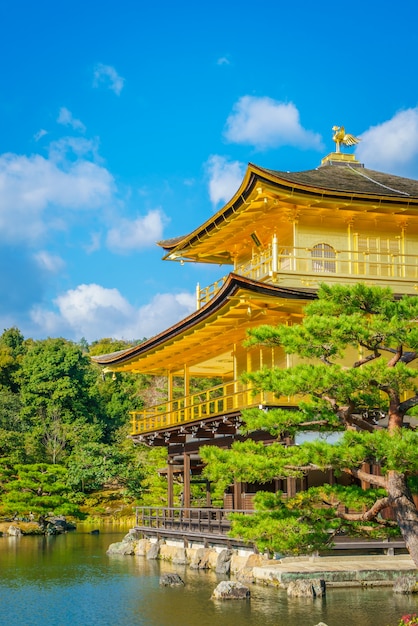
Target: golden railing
x=310, y=267
x=219, y=400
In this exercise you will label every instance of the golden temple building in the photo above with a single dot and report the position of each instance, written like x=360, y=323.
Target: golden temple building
x=282, y=234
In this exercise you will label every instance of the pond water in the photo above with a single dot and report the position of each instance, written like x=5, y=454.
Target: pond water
x=69, y=580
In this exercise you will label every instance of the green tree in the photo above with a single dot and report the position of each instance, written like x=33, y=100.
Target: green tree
x=57, y=378
x=12, y=349
x=38, y=488
x=359, y=380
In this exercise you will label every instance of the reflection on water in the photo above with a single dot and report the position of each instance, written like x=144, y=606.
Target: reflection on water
x=70, y=581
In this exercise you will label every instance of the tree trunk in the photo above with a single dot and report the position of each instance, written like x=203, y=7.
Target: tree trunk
x=405, y=511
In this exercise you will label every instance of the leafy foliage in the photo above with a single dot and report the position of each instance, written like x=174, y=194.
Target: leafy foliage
x=64, y=427
x=355, y=377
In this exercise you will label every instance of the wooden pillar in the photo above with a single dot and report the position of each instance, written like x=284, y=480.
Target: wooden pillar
x=274, y=255
x=170, y=494
x=169, y=386
x=237, y=495
x=186, y=387
x=291, y=486
x=186, y=480
x=208, y=495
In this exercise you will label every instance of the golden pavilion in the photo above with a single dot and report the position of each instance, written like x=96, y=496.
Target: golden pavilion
x=282, y=234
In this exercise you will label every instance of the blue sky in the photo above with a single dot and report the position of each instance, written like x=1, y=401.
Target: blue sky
x=124, y=123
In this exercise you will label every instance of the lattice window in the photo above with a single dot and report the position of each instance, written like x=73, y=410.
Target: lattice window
x=378, y=245
x=378, y=255
x=323, y=258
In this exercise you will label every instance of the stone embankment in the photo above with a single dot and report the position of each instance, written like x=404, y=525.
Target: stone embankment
x=249, y=568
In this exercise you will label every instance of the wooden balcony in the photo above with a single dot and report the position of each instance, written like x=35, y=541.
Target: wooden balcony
x=217, y=401
x=185, y=520
x=212, y=525
x=305, y=267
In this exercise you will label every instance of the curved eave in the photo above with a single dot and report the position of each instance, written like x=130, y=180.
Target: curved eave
x=288, y=188
x=231, y=300
x=215, y=221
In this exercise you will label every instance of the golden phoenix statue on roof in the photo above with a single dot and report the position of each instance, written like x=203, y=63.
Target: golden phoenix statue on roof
x=341, y=137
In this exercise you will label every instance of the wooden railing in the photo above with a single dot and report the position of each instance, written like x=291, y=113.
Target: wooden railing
x=185, y=520
x=204, y=524
x=303, y=266
x=219, y=400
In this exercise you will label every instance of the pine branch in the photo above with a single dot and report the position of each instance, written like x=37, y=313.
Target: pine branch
x=379, y=481
x=408, y=404
x=396, y=357
x=363, y=424
x=367, y=516
x=367, y=359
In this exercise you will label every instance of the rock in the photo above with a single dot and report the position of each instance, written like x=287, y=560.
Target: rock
x=132, y=537
x=200, y=559
x=57, y=524
x=14, y=531
x=246, y=576
x=142, y=547
x=223, y=562
x=229, y=590
x=180, y=557
x=121, y=547
x=95, y=532
x=153, y=552
x=321, y=624
x=405, y=585
x=307, y=588
x=171, y=580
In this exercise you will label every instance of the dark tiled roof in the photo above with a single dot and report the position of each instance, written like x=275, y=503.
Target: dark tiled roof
x=349, y=179
x=170, y=243
x=340, y=178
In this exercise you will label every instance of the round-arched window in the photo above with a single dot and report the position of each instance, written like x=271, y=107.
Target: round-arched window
x=323, y=258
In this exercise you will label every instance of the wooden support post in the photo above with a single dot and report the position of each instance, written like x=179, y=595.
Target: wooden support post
x=237, y=495
x=291, y=486
x=170, y=493
x=208, y=495
x=186, y=480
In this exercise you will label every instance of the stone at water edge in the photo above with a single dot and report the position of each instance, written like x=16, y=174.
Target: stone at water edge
x=14, y=531
x=229, y=590
x=121, y=547
x=171, y=580
x=223, y=562
x=307, y=588
x=153, y=552
x=405, y=585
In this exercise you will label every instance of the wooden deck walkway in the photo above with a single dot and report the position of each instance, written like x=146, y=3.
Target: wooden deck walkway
x=212, y=526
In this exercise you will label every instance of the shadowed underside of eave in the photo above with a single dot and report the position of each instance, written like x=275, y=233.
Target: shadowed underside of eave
x=197, y=340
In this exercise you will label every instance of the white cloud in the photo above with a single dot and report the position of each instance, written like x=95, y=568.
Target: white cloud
x=70, y=147
x=66, y=118
x=50, y=262
x=93, y=312
x=225, y=177
x=223, y=61
x=266, y=123
x=107, y=75
x=95, y=243
x=35, y=193
x=393, y=145
x=136, y=234
x=41, y=133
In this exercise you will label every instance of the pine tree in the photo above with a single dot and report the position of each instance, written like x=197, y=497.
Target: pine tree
x=355, y=376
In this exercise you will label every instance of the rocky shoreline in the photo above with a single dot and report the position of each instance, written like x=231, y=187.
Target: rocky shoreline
x=51, y=525
x=249, y=568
